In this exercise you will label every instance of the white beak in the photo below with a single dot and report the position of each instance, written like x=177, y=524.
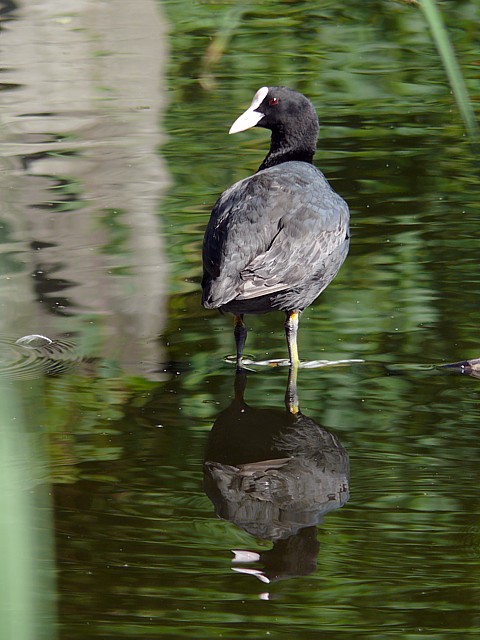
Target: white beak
x=247, y=120
x=250, y=117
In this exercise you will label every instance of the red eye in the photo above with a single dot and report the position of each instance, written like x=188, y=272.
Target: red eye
x=273, y=101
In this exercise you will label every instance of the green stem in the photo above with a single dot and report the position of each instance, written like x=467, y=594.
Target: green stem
x=445, y=49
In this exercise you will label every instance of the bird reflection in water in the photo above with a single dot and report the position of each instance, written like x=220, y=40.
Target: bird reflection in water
x=275, y=474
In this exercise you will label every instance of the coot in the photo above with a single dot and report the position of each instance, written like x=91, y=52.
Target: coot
x=275, y=240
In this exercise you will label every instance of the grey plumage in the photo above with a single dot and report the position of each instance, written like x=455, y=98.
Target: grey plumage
x=274, y=241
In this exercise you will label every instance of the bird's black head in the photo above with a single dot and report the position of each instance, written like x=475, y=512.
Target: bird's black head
x=292, y=120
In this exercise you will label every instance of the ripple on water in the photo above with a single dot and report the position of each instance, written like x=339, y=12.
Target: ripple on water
x=35, y=355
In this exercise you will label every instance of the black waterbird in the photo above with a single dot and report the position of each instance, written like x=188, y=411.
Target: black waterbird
x=276, y=239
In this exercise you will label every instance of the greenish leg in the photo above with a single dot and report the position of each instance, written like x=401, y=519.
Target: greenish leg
x=291, y=332
x=240, y=333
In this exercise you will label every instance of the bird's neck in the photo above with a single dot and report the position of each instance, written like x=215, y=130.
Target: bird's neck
x=286, y=148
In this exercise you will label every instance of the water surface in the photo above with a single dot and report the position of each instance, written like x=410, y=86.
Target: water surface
x=115, y=148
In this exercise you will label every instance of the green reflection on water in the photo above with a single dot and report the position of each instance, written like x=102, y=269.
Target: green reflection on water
x=397, y=561
x=139, y=550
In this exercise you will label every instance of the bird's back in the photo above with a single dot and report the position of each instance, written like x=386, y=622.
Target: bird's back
x=274, y=240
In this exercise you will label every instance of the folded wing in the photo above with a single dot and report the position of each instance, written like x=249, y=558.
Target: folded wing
x=272, y=232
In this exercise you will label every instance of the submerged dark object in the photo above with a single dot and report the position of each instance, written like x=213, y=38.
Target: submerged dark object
x=470, y=367
x=277, y=239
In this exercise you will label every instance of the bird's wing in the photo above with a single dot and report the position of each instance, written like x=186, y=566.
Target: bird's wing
x=272, y=232
x=307, y=245
x=241, y=225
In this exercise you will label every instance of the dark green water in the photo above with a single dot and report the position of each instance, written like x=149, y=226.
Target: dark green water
x=107, y=186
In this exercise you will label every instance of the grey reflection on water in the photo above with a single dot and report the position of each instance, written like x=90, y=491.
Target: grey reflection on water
x=80, y=241
x=275, y=474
